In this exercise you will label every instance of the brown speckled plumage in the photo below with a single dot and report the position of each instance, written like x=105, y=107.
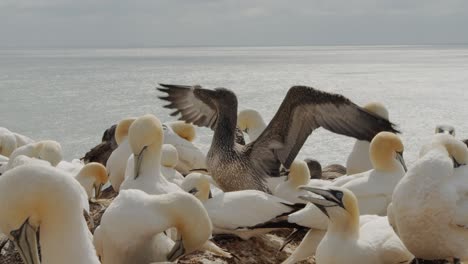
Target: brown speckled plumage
x=236, y=167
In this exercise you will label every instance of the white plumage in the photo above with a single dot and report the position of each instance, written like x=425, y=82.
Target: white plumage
x=430, y=205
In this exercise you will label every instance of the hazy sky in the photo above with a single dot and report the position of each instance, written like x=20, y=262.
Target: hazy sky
x=147, y=23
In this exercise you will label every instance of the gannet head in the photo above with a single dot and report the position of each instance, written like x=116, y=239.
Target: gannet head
x=193, y=223
x=247, y=119
x=98, y=173
x=31, y=195
x=184, y=130
x=384, y=148
x=315, y=169
x=298, y=173
x=7, y=144
x=49, y=150
x=456, y=149
x=197, y=184
x=335, y=202
x=121, y=131
x=145, y=132
x=378, y=109
x=445, y=129
x=169, y=156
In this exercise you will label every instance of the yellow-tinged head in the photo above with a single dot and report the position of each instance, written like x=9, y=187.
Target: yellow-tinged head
x=249, y=118
x=299, y=173
x=145, y=131
x=145, y=134
x=49, y=150
x=378, y=109
x=385, y=147
x=184, y=130
x=337, y=203
x=121, y=131
x=170, y=156
x=197, y=184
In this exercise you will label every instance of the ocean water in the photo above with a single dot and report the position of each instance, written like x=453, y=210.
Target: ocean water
x=73, y=95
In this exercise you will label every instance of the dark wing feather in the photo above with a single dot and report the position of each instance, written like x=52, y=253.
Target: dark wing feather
x=192, y=102
x=303, y=110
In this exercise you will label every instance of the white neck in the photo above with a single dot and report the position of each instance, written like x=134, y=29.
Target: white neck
x=87, y=182
x=65, y=238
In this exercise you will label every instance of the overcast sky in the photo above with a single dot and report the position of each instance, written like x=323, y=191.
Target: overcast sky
x=149, y=23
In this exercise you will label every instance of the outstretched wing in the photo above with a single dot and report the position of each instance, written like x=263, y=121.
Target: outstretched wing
x=303, y=110
x=192, y=102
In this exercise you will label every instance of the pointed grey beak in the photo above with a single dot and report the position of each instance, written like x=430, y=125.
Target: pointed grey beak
x=25, y=240
x=97, y=190
x=137, y=159
x=177, y=251
x=400, y=158
x=328, y=201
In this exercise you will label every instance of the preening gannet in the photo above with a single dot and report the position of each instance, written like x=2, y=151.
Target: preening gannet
x=47, y=150
x=38, y=197
x=92, y=177
x=236, y=167
x=429, y=208
x=146, y=138
x=130, y=226
x=251, y=122
x=345, y=240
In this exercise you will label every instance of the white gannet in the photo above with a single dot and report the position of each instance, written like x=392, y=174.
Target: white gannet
x=9, y=141
x=359, y=160
x=146, y=138
x=130, y=226
x=251, y=122
x=429, y=209
x=234, y=212
x=38, y=197
x=298, y=175
x=445, y=129
x=47, y=150
x=92, y=177
x=117, y=162
x=181, y=136
x=236, y=167
x=169, y=160
x=346, y=241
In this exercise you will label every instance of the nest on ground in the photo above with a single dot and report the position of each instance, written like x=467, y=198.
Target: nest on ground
x=261, y=249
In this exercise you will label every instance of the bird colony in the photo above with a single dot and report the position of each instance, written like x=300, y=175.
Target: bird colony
x=160, y=199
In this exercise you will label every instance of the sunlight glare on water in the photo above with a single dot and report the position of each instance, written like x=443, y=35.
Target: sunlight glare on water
x=72, y=96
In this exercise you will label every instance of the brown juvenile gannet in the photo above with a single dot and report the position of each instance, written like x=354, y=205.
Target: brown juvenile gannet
x=103, y=150
x=236, y=167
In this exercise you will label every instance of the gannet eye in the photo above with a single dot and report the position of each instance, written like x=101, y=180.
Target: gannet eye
x=339, y=195
x=164, y=127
